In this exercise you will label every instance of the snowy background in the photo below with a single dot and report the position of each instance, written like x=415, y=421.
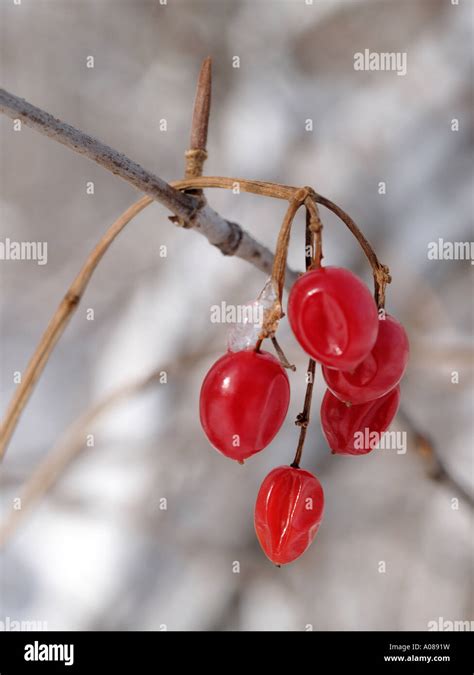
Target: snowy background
x=99, y=552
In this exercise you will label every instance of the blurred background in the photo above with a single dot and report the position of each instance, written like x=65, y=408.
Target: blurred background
x=101, y=551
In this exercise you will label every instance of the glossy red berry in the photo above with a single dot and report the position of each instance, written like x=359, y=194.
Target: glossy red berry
x=379, y=372
x=356, y=429
x=288, y=512
x=333, y=316
x=244, y=401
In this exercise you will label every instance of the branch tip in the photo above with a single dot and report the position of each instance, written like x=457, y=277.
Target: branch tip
x=202, y=107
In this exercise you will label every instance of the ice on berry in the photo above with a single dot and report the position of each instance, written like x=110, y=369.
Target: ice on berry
x=244, y=333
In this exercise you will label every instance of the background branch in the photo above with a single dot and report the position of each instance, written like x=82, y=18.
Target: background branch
x=72, y=441
x=58, y=323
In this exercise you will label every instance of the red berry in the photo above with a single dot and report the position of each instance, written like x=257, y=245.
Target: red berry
x=356, y=429
x=244, y=401
x=333, y=316
x=288, y=512
x=379, y=372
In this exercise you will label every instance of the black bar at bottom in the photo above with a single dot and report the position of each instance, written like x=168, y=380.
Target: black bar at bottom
x=84, y=652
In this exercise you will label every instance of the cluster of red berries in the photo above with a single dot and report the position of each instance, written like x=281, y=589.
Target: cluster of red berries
x=245, y=397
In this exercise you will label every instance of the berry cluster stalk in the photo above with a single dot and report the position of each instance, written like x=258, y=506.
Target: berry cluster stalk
x=313, y=256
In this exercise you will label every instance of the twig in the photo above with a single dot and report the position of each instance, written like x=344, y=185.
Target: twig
x=197, y=153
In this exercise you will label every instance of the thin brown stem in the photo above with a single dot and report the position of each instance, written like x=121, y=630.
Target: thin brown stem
x=302, y=419
x=314, y=235
x=273, y=316
x=381, y=273
x=308, y=241
x=256, y=187
x=312, y=232
x=282, y=356
x=281, y=251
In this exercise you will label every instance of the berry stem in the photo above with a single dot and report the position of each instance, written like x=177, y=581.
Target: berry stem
x=302, y=419
x=281, y=355
x=314, y=231
x=312, y=243
x=308, y=241
x=273, y=317
x=381, y=273
x=281, y=252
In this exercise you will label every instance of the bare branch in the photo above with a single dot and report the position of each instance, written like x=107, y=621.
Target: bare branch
x=120, y=165
x=228, y=237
